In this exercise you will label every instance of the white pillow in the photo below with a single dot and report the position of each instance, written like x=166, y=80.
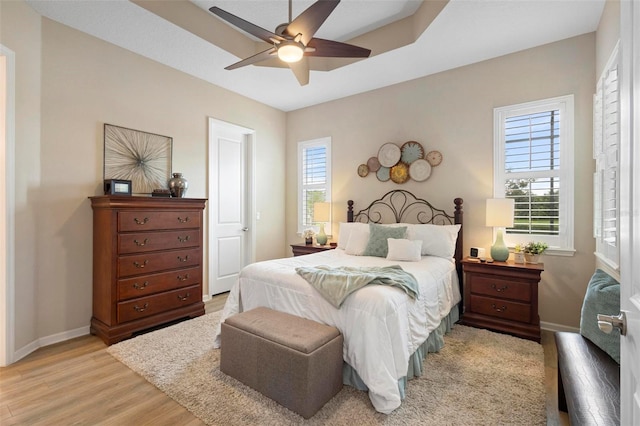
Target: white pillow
x=345, y=232
x=404, y=250
x=437, y=240
x=357, y=243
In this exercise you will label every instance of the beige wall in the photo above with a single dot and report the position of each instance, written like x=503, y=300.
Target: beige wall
x=20, y=31
x=453, y=113
x=607, y=35
x=85, y=83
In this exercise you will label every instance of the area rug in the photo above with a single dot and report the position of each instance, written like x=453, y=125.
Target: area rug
x=478, y=378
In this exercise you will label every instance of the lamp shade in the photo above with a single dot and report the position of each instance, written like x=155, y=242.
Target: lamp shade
x=321, y=212
x=500, y=212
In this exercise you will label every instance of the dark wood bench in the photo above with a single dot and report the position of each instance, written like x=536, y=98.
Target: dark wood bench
x=588, y=381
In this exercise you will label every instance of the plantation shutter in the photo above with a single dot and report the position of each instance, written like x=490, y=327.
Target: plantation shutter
x=314, y=178
x=606, y=140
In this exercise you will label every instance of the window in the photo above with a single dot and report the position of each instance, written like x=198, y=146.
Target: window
x=314, y=179
x=533, y=159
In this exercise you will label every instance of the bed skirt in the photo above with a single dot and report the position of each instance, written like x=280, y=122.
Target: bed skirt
x=434, y=343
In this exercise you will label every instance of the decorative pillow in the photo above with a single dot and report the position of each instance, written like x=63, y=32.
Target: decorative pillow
x=378, y=234
x=404, y=250
x=345, y=232
x=437, y=240
x=357, y=243
x=602, y=297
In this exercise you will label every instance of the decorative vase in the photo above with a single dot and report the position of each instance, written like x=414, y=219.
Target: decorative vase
x=178, y=185
x=308, y=241
x=531, y=258
x=518, y=257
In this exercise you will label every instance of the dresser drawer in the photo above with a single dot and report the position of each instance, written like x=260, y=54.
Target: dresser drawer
x=146, y=285
x=494, y=286
x=153, y=262
x=157, y=303
x=151, y=220
x=500, y=308
x=151, y=241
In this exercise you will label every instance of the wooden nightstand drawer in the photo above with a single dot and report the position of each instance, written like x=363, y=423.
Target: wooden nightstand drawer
x=302, y=249
x=500, y=308
x=495, y=286
x=502, y=296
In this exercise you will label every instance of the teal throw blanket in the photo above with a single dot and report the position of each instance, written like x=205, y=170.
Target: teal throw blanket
x=335, y=284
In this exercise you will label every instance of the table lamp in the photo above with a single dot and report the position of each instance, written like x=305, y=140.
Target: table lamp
x=321, y=215
x=500, y=215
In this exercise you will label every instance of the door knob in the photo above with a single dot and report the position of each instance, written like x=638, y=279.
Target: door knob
x=245, y=229
x=607, y=322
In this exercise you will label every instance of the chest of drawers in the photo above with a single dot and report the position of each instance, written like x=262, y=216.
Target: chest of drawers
x=502, y=296
x=147, y=263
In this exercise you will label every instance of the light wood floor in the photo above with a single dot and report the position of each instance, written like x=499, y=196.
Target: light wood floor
x=77, y=382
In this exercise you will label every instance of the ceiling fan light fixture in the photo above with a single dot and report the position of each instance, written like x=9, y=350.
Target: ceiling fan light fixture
x=290, y=51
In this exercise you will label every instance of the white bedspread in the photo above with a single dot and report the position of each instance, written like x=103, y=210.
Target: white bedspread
x=382, y=326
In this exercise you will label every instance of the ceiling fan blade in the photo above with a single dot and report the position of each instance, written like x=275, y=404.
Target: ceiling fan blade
x=335, y=49
x=301, y=71
x=246, y=26
x=308, y=22
x=267, y=54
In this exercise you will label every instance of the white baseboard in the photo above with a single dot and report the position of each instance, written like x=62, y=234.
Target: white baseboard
x=557, y=327
x=49, y=340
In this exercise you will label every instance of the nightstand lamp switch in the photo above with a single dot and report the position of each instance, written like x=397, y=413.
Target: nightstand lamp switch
x=321, y=215
x=499, y=216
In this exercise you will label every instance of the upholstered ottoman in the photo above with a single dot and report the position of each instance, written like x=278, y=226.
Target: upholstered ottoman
x=294, y=361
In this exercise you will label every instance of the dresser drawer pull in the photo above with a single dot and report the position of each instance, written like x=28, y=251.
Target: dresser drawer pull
x=495, y=308
x=183, y=259
x=501, y=289
x=183, y=239
x=139, y=309
x=185, y=220
x=141, y=244
x=141, y=287
x=181, y=278
x=141, y=222
x=184, y=298
x=140, y=265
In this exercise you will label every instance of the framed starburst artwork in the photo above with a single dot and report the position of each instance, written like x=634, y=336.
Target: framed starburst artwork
x=141, y=157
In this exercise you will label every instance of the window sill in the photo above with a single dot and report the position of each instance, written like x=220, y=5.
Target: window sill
x=558, y=252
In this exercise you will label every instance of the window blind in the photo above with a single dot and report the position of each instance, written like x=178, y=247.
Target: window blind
x=532, y=164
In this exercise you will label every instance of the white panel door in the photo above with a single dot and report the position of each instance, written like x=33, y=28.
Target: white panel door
x=630, y=211
x=229, y=227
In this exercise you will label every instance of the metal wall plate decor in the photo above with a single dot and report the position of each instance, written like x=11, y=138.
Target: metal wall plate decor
x=141, y=157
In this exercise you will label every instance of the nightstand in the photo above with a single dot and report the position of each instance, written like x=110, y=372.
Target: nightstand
x=301, y=249
x=503, y=297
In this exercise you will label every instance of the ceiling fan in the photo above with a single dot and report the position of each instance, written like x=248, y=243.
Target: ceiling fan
x=293, y=42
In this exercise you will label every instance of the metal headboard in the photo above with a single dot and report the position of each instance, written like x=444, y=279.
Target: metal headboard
x=401, y=206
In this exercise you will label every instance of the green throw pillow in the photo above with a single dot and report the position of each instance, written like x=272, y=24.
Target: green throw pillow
x=603, y=297
x=378, y=234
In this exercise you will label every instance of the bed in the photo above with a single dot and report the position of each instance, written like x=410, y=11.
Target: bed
x=387, y=332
